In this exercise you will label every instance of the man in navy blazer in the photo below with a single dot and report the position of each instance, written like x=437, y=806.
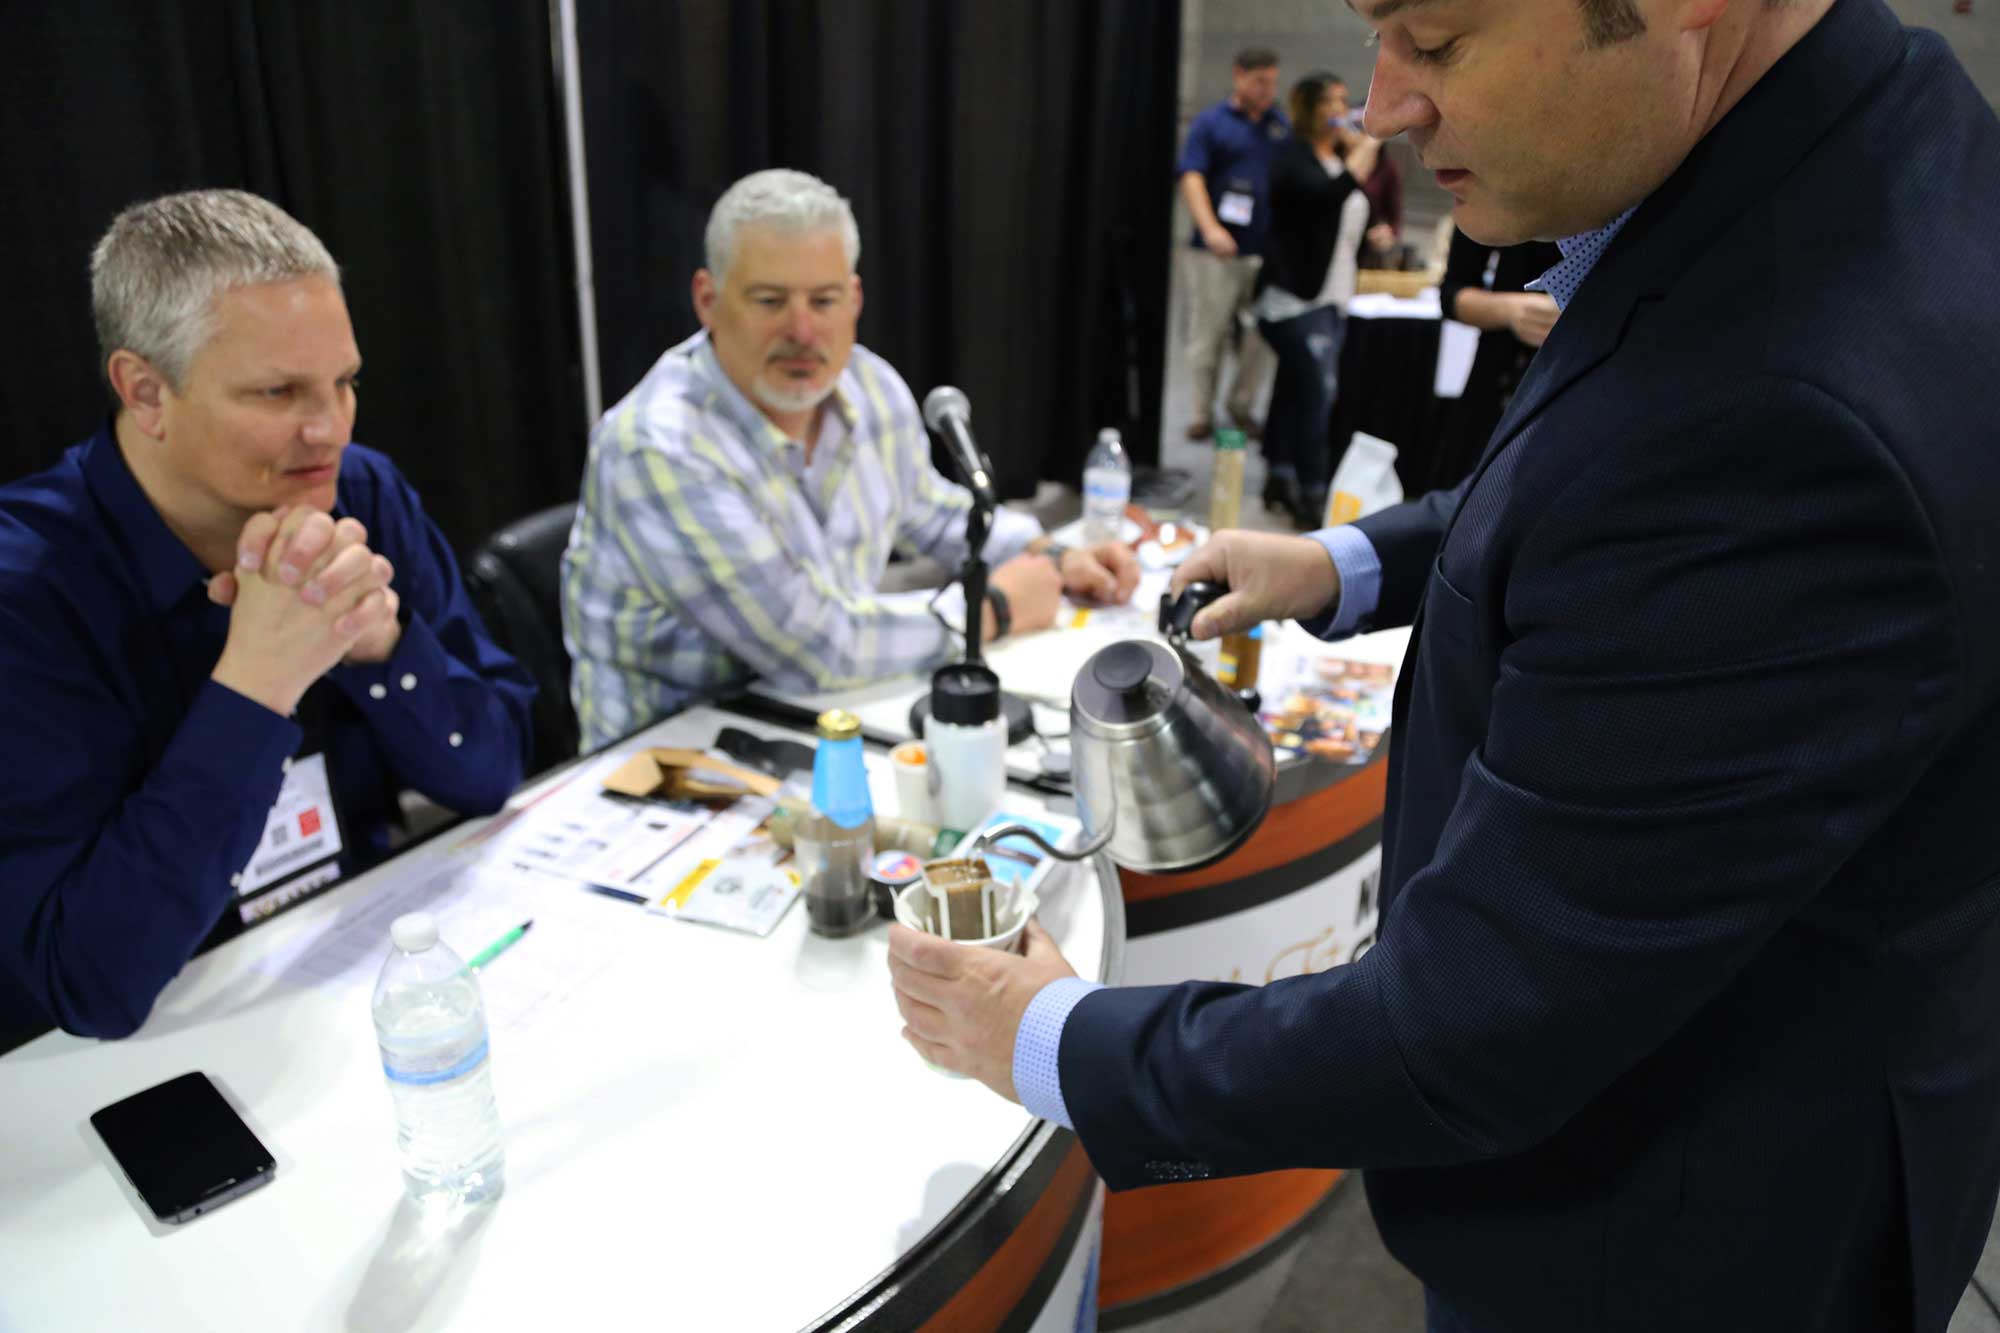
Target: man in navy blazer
x=1685, y=1012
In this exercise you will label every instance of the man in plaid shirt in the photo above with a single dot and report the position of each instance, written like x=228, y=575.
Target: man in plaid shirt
x=740, y=503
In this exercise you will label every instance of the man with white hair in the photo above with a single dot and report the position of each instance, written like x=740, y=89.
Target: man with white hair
x=740, y=503
x=228, y=636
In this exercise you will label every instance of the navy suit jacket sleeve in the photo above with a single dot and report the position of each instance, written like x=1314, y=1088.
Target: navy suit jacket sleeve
x=1406, y=538
x=1658, y=791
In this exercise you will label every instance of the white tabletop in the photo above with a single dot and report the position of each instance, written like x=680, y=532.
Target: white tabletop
x=719, y=1131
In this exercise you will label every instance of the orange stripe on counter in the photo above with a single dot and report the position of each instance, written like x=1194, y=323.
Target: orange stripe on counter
x=1165, y=1236
x=997, y=1288
x=1289, y=833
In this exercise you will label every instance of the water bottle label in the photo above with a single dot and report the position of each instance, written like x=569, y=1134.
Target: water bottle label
x=1107, y=488
x=419, y=1078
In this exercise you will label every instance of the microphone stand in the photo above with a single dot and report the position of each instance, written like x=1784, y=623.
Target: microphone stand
x=972, y=575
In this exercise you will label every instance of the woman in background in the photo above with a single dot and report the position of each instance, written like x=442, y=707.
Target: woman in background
x=1318, y=215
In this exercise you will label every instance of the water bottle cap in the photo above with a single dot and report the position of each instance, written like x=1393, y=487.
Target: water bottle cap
x=414, y=932
x=837, y=724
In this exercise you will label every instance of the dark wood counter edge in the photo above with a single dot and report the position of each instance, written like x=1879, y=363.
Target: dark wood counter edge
x=1153, y=915
x=1203, y=1288
x=1300, y=778
x=996, y=1257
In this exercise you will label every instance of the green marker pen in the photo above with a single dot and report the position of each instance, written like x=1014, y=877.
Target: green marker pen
x=499, y=946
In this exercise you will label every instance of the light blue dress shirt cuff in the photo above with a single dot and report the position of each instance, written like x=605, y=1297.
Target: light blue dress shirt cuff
x=1037, y=1079
x=1360, y=571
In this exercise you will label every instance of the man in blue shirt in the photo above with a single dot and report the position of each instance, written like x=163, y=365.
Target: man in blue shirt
x=1224, y=181
x=228, y=636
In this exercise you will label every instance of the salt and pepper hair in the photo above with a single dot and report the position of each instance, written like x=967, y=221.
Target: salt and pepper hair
x=156, y=274
x=787, y=201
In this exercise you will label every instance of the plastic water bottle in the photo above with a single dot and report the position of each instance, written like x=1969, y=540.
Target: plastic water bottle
x=432, y=1030
x=1107, y=488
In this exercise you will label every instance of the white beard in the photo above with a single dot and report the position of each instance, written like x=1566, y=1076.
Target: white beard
x=782, y=399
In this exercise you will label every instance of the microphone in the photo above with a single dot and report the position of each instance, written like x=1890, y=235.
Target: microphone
x=948, y=412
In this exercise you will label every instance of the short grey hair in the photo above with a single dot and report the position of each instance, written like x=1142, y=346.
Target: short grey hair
x=155, y=275
x=783, y=200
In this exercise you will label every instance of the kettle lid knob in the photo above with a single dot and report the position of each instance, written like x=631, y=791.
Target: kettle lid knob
x=1123, y=667
x=1126, y=682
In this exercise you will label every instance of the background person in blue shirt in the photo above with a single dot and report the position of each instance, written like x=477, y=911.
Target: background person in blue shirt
x=212, y=599
x=1224, y=174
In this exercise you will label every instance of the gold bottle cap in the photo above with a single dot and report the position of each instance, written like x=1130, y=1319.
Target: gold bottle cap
x=837, y=724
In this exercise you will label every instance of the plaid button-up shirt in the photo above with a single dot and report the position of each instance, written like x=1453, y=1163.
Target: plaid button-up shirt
x=706, y=551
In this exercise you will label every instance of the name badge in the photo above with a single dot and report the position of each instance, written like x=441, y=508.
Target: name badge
x=301, y=838
x=1235, y=208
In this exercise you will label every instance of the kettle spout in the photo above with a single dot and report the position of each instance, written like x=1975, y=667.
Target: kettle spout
x=1083, y=853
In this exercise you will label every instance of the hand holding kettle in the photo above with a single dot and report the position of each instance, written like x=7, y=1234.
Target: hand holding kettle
x=1269, y=577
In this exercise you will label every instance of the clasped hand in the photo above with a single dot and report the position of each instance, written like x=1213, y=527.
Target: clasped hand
x=306, y=594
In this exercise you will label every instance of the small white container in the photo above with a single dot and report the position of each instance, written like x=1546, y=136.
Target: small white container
x=968, y=770
x=913, y=782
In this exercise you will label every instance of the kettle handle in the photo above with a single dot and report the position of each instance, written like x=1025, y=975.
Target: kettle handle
x=1177, y=613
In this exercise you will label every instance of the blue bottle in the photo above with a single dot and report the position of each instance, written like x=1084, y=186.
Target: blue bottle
x=840, y=778
x=836, y=844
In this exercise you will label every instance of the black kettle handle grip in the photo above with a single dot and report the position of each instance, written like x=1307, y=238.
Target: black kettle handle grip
x=1177, y=613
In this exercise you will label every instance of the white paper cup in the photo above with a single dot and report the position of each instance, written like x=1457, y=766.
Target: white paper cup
x=919, y=913
x=917, y=908
x=913, y=782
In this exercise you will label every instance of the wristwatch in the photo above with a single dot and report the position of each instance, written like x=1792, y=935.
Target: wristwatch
x=1003, y=615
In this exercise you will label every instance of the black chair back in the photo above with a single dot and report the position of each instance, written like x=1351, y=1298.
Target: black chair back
x=515, y=580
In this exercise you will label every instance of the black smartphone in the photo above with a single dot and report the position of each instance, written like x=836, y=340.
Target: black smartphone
x=183, y=1147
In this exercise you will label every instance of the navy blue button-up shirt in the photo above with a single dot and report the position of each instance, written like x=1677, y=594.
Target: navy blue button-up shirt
x=1233, y=154
x=134, y=787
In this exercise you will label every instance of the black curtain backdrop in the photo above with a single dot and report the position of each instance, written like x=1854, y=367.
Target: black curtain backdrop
x=420, y=141
x=1010, y=165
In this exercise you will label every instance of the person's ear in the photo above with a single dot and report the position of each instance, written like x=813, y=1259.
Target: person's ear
x=1697, y=15
x=856, y=279
x=705, y=294
x=142, y=390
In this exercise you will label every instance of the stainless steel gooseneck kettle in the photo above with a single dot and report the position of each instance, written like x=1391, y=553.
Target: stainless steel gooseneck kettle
x=1171, y=771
